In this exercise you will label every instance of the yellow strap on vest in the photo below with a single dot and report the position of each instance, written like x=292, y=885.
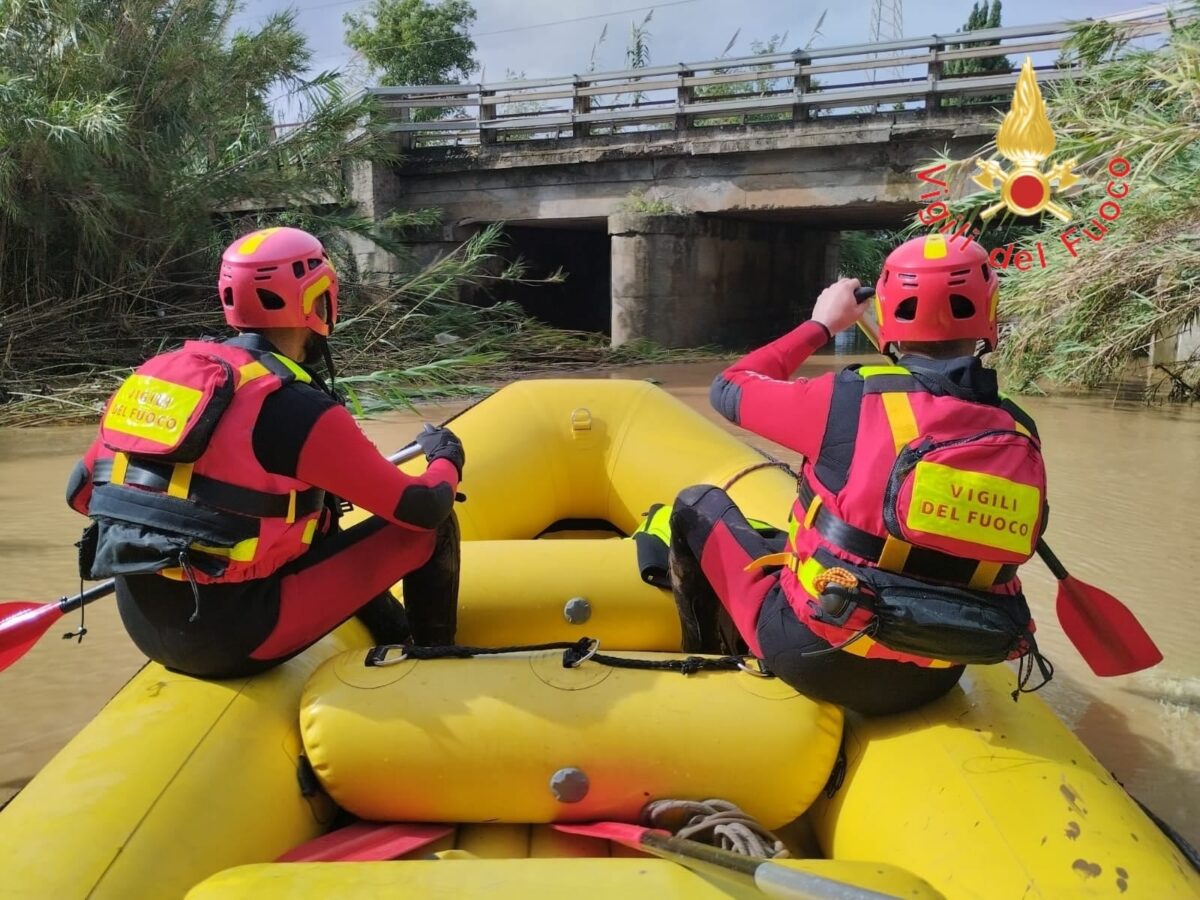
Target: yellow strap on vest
x=291, y=513
x=310, y=529
x=249, y=372
x=900, y=418
x=869, y=371
x=120, y=465
x=181, y=481
x=242, y=551
x=771, y=559
x=811, y=512
x=807, y=572
x=295, y=367
x=894, y=555
x=984, y=576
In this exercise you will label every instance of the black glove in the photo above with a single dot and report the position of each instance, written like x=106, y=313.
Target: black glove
x=442, y=443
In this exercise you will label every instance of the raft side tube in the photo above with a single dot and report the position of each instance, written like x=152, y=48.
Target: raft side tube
x=498, y=879
x=176, y=778
x=989, y=798
x=552, y=450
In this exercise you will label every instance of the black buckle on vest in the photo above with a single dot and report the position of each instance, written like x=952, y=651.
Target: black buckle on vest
x=922, y=563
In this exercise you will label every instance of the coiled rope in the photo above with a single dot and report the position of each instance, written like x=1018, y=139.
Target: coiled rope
x=717, y=823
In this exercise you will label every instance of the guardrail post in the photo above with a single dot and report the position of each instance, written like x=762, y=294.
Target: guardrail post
x=581, y=105
x=685, y=94
x=405, y=140
x=933, y=100
x=801, y=85
x=487, y=113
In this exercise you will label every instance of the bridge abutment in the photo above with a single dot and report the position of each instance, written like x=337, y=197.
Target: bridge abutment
x=689, y=280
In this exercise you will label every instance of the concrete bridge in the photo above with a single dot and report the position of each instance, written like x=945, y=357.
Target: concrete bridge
x=700, y=203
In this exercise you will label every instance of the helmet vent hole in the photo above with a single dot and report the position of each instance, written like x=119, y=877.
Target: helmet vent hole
x=266, y=268
x=270, y=300
x=957, y=272
x=887, y=273
x=313, y=263
x=906, y=310
x=227, y=297
x=987, y=272
x=298, y=269
x=961, y=307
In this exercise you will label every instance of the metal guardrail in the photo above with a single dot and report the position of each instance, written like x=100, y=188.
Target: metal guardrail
x=774, y=87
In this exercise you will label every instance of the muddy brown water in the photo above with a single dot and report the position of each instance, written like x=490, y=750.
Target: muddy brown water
x=1125, y=499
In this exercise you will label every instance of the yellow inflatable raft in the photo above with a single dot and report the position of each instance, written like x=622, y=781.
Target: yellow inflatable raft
x=183, y=787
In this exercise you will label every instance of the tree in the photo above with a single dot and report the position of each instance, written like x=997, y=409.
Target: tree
x=125, y=126
x=415, y=41
x=982, y=16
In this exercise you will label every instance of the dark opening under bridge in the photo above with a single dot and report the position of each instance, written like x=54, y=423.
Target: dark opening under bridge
x=701, y=202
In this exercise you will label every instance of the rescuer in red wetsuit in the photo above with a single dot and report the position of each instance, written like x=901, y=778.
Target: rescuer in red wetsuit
x=920, y=473
x=215, y=481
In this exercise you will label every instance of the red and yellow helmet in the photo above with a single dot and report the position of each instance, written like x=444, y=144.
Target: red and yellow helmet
x=278, y=278
x=937, y=289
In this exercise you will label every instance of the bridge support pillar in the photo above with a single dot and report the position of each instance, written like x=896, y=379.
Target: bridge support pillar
x=689, y=280
x=374, y=191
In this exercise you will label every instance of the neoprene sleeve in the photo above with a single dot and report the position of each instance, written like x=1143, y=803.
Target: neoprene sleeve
x=754, y=392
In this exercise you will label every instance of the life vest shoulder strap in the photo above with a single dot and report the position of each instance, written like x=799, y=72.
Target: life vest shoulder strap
x=253, y=362
x=832, y=465
x=888, y=380
x=1021, y=419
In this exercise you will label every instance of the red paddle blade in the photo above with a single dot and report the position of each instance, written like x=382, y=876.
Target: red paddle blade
x=1103, y=630
x=618, y=832
x=21, y=625
x=367, y=841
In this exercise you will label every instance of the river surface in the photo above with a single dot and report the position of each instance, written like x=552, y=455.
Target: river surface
x=1125, y=499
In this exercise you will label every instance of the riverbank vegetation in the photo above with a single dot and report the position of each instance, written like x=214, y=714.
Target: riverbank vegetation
x=137, y=139
x=1130, y=275
x=1087, y=312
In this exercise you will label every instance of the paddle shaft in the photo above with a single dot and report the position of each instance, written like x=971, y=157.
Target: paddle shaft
x=1057, y=568
x=763, y=875
x=771, y=878
x=104, y=588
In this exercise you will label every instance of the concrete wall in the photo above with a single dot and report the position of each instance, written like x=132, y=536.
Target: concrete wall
x=688, y=280
x=1176, y=347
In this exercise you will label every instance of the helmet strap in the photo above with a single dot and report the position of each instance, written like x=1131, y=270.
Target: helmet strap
x=327, y=355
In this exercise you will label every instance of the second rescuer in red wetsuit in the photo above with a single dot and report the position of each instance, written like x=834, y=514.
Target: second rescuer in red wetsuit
x=921, y=491
x=215, y=481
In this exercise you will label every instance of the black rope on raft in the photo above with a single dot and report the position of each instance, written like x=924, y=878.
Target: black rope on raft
x=574, y=654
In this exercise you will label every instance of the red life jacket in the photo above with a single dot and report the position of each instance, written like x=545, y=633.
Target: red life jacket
x=177, y=487
x=925, y=484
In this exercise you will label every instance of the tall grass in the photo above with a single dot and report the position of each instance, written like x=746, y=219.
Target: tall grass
x=1079, y=320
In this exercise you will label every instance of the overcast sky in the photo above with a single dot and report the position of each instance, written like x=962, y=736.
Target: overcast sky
x=681, y=30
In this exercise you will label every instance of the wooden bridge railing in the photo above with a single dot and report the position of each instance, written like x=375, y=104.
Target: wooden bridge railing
x=775, y=87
